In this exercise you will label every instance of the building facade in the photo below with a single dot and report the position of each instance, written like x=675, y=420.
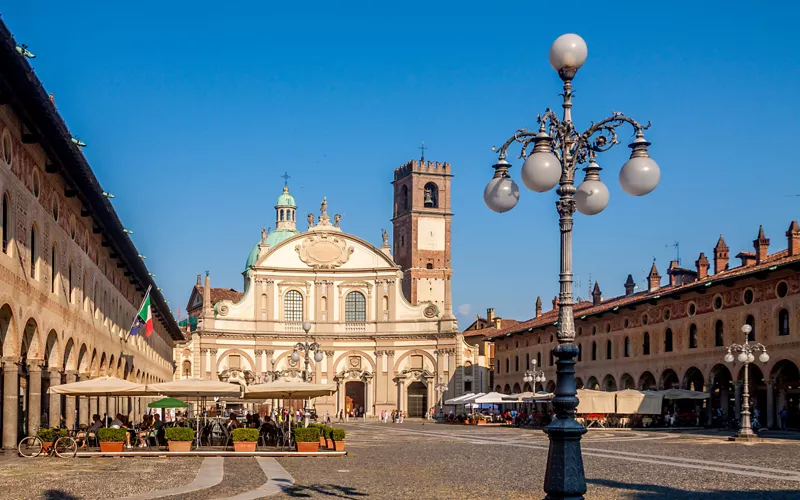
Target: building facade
x=383, y=348
x=676, y=334
x=71, y=280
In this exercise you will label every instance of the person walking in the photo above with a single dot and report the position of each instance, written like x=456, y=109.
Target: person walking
x=341, y=416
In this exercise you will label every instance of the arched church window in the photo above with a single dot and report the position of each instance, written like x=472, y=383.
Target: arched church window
x=431, y=195
x=783, y=322
x=293, y=306
x=282, y=214
x=355, y=308
x=187, y=369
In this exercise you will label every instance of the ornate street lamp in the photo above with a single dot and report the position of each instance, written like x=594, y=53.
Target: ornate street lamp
x=746, y=355
x=556, y=150
x=307, y=348
x=534, y=376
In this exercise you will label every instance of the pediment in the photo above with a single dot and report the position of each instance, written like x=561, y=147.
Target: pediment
x=324, y=251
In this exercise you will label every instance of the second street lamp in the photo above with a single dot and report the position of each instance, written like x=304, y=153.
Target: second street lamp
x=534, y=376
x=746, y=355
x=556, y=150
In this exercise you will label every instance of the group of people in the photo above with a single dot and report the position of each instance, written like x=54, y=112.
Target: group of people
x=396, y=416
x=149, y=430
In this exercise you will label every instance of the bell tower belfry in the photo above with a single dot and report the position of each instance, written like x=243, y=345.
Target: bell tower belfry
x=422, y=231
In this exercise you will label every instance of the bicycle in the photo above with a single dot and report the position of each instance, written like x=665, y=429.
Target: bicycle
x=61, y=446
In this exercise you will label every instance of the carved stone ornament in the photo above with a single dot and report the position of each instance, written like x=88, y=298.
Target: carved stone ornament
x=324, y=251
x=431, y=311
x=223, y=310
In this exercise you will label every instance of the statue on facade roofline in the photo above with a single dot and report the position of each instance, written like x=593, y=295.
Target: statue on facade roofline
x=263, y=236
x=310, y=220
x=323, y=208
x=385, y=237
x=336, y=219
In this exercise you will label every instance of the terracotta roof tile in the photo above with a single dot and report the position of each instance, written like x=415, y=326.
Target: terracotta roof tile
x=218, y=294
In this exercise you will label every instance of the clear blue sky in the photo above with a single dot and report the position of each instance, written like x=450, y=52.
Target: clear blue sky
x=192, y=110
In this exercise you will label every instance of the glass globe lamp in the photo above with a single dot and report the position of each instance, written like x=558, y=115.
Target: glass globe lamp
x=306, y=326
x=742, y=357
x=750, y=358
x=591, y=196
x=541, y=378
x=746, y=329
x=295, y=356
x=541, y=170
x=568, y=52
x=640, y=174
x=729, y=358
x=764, y=357
x=501, y=193
x=318, y=356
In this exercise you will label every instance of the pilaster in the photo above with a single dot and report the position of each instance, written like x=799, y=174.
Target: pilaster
x=379, y=385
x=213, y=372
x=770, y=404
x=391, y=393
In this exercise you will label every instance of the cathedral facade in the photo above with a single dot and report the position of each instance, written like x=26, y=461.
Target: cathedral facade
x=385, y=325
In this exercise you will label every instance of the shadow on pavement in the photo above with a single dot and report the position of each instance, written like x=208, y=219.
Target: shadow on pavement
x=656, y=492
x=329, y=490
x=58, y=495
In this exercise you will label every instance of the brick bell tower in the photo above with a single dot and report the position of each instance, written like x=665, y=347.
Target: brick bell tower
x=422, y=231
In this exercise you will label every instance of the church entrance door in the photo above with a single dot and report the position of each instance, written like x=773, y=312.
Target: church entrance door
x=417, y=399
x=354, y=397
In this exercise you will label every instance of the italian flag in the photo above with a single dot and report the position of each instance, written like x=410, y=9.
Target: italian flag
x=143, y=318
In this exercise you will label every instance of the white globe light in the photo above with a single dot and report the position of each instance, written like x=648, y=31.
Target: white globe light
x=591, y=197
x=639, y=176
x=307, y=326
x=764, y=357
x=742, y=357
x=295, y=356
x=501, y=194
x=568, y=52
x=729, y=358
x=746, y=329
x=750, y=358
x=318, y=356
x=541, y=171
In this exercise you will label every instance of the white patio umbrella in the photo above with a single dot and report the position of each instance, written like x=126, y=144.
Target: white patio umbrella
x=289, y=390
x=460, y=399
x=631, y=401
x=101, y=386
x=494, y=398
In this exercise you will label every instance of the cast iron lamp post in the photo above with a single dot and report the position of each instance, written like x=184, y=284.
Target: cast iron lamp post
x=534, y=376
x=557, y=149
x=307, y=348
x=746, y=355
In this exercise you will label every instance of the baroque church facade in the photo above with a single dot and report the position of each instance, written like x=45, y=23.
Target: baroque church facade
x=383, y=318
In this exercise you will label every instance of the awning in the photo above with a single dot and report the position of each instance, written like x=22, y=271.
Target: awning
x=100, y=386
x=682, y=394
x=196, y=388
x=595, y=402
x=536, y=397
x=167, y=403
x=288, y=390
x=494, y=398
x=459, y=400
x=631, y=401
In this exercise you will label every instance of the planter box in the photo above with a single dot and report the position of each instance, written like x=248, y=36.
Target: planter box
x=308, y=447
x=111, y=446
x=180, y=445
x=339, y=445
x=481, y=422
x=329, y=443
x=248, y=446
x=322, y=440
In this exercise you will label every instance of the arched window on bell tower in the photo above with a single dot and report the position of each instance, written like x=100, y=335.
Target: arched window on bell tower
x=431, y=194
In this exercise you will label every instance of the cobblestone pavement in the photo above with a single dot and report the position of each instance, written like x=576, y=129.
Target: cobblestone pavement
x=411, y=460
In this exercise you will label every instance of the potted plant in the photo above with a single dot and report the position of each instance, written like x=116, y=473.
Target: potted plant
x=48, y=435
x=179, y=438
x=338, y=438
x=307, y=439
x=480, y=419
x=111, y=440
x=321, y=428
x=328, y=439
x=245, y=440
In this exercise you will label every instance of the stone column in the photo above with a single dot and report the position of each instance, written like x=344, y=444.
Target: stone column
x=725, y=400
x=213, y=368
x=259, y=361
x=401, y=395
x=367, y=397
x=391, y=391
x=70, y=410
x=34, y=395
x=55, y=399
x=83, y=405
x=770, y=404
x=378, y=376
x=738, y=396
x=10, y=403
x=451, y=376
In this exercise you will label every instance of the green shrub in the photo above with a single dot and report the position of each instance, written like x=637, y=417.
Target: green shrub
x=107, y=435
x=48, y=435
x=306, y=434
x=326, y=432
x=179, y=434
x=245, y=435
x=337, y=434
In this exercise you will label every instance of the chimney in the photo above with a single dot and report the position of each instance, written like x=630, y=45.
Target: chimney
x=673, y=273
x=653, y=279
x=702, y=266
x=538, y=306
x=199, y=281
x=720, y=256
x=630, y=285
x=498, y=323
x=555, y=302
x=490, y=315
x=207, y=311
x=597, y=295
x=761, y=245
x=748, y=258
x=793, y=235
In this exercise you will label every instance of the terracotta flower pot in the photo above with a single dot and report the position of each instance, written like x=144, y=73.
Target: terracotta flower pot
x=481, y=422
x=329, y=443
x=339, y=445
x=322, y=440
x=111, y=446
x=180, y=445
x=248, y=446
x=308, y=447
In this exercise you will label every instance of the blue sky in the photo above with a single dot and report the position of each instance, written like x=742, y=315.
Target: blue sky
x=192, y=110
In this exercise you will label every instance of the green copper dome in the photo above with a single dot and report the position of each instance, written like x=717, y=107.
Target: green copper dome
x=279, y=235
x=285, y=199
x=252, y=258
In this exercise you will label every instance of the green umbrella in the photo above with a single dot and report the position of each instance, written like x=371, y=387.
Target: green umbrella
x=168, y=403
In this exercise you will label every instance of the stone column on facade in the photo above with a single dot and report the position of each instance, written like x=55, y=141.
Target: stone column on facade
x=54, y=415
x=83, y=406
x=738, y=400
x=367, y=397
x=69, y=412
x=440, y=374
x=34, y=395
x=213, y=367
x=391, y=391
x=401, y=392
x=709, y=410
x=770, y=404
x=259, y=354
x=451, y=375
x=378, y=376
x=270, y=354
x=204, y=371
x=10, y=402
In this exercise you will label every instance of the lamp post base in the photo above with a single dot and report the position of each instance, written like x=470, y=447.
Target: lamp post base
x=744, y=437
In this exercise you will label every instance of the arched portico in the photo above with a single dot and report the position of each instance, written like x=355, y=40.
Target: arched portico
x=647, y=382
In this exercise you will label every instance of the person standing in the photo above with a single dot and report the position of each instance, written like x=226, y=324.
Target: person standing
x=783, y=416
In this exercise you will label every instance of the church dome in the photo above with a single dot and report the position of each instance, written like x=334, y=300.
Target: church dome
x=279, y=235
x=252, y=258
x=285, y=199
